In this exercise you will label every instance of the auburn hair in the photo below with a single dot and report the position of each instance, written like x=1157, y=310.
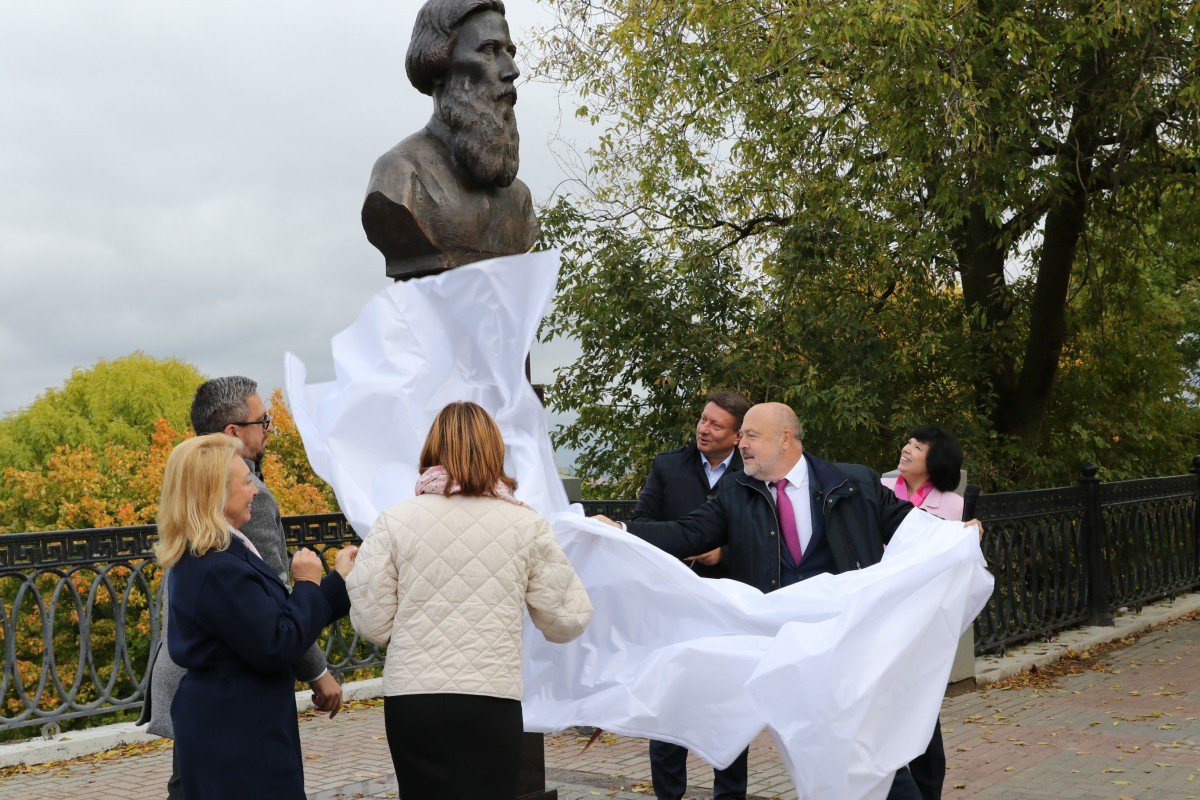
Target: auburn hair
x=466, y=442
x=191, y=510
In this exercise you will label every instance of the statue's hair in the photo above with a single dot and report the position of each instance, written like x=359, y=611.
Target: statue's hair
x=220, y=401
x=433, y=37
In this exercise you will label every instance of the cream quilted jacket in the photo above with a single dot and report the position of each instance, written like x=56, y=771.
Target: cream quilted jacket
x=447, y=579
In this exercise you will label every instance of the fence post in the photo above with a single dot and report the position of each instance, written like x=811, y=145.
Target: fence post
x=1195, y=470
x=1093, y=544
x=970, y=501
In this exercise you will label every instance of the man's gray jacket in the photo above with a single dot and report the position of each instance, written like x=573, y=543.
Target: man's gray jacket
x=265, y=530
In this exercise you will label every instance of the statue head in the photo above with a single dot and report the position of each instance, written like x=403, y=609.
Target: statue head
x=462, y=55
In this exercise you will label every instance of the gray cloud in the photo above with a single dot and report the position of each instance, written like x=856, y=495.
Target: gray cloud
x=184, y=179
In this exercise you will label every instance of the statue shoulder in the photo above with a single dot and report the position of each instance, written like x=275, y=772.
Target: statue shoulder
x=533, y=228
x=416, y=156
x=522, y=192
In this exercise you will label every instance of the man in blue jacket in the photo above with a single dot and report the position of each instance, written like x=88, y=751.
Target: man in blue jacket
x=681, y=481
x=788, y=516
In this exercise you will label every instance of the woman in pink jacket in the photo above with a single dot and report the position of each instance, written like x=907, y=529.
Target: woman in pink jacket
x=930, y=464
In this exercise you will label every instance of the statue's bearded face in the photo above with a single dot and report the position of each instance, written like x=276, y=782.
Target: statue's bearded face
x=476, y=101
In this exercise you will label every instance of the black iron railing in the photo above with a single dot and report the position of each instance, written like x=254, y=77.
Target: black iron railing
x=80, y=613
x=620, y=510
x=1034, y=547
x=77, y=614
x=1071, y=556
x=1150, y=538
x=79, y=610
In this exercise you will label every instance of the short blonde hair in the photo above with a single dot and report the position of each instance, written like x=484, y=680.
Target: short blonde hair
x=191, y=512
x=467, y=442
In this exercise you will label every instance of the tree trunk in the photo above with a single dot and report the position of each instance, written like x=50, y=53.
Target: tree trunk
x=981, y=256
x=1021, y=401
x=1024, y=412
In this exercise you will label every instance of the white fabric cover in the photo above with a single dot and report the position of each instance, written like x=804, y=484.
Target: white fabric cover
x=447, y=581
x=847, y=671
x=416, y=346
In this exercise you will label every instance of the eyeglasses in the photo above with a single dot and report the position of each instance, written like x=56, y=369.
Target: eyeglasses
x=265, y=422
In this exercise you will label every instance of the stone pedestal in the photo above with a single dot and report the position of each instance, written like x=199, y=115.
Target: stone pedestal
x=962, y=673
x=533, y=769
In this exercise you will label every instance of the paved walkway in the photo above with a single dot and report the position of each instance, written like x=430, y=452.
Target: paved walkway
x=1126, y=724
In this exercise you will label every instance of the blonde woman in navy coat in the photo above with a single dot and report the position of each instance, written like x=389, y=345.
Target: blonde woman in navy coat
x=236, y=629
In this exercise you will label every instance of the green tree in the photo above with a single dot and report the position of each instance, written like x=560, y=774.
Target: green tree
x=920, y=210
x=113, y=402
x=114, y=433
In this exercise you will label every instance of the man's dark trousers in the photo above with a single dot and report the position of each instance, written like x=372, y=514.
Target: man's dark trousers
x=677, y=485
x=929, y=768
x=670, y=776
x=669, y=770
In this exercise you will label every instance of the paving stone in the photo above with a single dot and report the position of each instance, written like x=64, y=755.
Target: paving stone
x=1051, y=743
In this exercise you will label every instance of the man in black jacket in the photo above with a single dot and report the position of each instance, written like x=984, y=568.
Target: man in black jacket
x=788, y=516
x=681, y=481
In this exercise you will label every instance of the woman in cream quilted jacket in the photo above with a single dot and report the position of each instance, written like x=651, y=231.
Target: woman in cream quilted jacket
x=444, y=579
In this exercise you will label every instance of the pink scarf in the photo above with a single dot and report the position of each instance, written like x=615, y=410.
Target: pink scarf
x=436, y=480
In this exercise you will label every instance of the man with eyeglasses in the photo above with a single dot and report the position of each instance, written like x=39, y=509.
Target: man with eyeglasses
x=232, y=405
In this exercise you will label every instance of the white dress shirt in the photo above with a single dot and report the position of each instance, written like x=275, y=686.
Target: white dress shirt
x=714, y=473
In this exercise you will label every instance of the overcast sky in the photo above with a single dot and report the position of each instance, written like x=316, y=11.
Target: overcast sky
x=185, y=178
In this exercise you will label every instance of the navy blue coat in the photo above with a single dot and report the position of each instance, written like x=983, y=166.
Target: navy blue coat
x=856, y=513
x=676, y=487
x=236, y=629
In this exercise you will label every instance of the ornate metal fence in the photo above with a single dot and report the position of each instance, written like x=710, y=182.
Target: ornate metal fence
x=1150, y=538
x=1070, y=556
x=1034, y=547
x=77, y=613
x=621, y=510
x=79, y=610
x=80, y=613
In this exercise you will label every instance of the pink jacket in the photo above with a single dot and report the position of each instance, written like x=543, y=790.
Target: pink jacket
x=944, y=505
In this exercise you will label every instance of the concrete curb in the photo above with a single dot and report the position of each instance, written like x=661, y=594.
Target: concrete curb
x=355, y=690
x=73, y=744
x=76, y=744
x=1040, y=654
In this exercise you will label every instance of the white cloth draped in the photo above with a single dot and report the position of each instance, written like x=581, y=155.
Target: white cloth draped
x=416, y=346
x=847, y=671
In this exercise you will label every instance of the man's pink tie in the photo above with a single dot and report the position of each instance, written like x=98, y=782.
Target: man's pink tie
x=787, y=520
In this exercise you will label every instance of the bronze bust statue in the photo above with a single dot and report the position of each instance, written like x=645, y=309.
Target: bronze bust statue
x=448, y=195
